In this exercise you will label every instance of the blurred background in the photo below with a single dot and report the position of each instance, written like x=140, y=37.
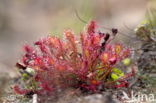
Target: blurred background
x=23, y=21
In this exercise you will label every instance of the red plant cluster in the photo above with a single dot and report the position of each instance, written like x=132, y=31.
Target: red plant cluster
x=84, y=62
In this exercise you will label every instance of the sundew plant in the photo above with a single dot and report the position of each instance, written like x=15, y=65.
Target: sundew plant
x=86, y=62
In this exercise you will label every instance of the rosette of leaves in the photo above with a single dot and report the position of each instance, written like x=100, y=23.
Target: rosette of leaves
x=86, y=62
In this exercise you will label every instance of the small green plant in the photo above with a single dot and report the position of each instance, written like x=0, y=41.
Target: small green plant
x=86, y=63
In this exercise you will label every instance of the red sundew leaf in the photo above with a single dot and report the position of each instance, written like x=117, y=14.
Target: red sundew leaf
x=72, y=44
x=82, y=38
x=44, y=49
x=69, y=34
x=91, y=27
x=61, y=46
x=46, y=86
x=83, y=45
x=28, y=49
x=20, y=91
x=97, y=39
x=37, y=77
x=38, y=43
x=86, y=44
x=87, y=53
x=54, y=41
x=122, y=84
x=56, y=47
x=38, y=61
x=113, y=60
x=41, y=41
x=25, y=60
x=118, y=48
x=41, y=46
x=105, y=57
x=108, y=48
x=94, y=41
x=29, y=55
x=49, y=61
x=70, y=37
